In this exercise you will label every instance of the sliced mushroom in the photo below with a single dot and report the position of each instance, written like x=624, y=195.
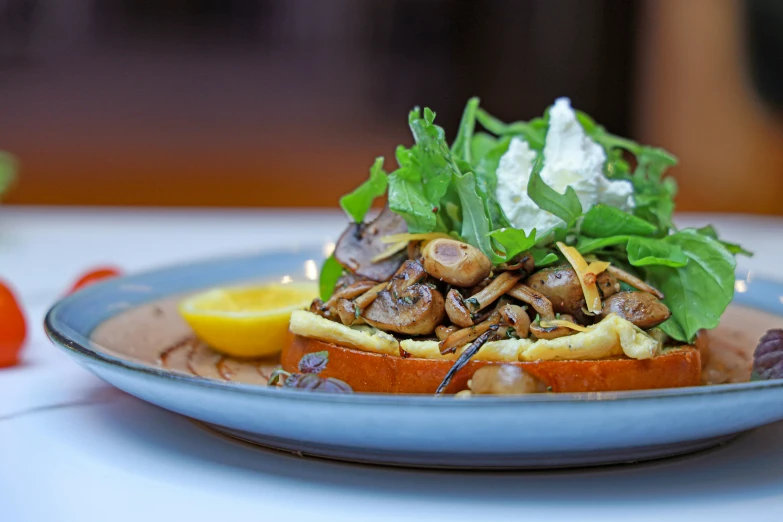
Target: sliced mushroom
x=633, y=281
x=516, y=317
x=442, y=331
x=406, y=305
x=537, y=300
x=641, y=308
x=455, y=262
x=467, y=335
x=457, y=310
x=493, y=291
x=552, y=332
x=360, y=243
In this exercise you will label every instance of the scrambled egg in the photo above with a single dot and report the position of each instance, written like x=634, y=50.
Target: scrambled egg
x=610, y=337
x=308, y=324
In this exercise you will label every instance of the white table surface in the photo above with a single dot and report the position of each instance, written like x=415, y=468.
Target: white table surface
x=72, y=448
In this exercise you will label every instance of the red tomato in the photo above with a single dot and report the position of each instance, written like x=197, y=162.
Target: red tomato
x=12, y=327
x=93, y=276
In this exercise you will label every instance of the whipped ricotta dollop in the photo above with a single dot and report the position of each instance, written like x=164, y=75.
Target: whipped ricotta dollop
x=571, y=158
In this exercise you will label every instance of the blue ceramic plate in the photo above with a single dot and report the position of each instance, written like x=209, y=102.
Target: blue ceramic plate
x=535, y=431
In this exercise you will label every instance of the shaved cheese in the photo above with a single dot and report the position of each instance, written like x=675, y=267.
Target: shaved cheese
x=587, y=275
x=393, y=249
x=562, y=322
x=400, y=238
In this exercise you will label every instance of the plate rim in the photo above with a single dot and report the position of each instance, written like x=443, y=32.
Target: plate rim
x=72, y=345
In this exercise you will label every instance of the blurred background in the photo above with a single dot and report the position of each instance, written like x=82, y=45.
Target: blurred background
x=261, y=103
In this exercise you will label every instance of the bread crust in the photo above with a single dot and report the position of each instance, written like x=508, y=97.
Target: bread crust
x=379, y=373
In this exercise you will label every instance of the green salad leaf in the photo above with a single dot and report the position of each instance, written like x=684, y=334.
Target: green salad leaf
x=534, y=131
x=486, y=182
x=565, y=206
x=698, y=292
x=475, y=223
x=407, y=198
x=7, y=171
x=462, y=146
x=331, y=271
x=605, y=221
x=644, y=251
x=734, y=248
x=430, y=156
x=357, y=203
x=452, y=189
x=543, y=256
x=481, y=144
x=586, y=245
x=513, y=241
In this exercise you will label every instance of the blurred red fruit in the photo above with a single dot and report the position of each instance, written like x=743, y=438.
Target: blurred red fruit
x=94, y=276
x=12, y=327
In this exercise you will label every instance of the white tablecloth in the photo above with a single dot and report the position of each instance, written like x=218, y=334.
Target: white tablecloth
x=74, y=449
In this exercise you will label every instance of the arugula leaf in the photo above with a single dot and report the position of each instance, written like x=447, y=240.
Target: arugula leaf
x=406, y=198
x=330, y=273
x=513, y=241
x=487, y=182
x=461, y=148
x=605, y=221
x=565, y=206
x=7, y=171
x=480, y=145
x=653, y=195
x=431, y=156
x=586, y=245
x=475, y=223
x=699, y=292
x=644, y=251
x=543, y=257
x=734, y=248
x=534, y=131
x=357, y=203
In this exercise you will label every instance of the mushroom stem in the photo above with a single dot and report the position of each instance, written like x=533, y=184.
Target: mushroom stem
x=464, y=358
x=523, y=261
x=409, y=274
x=466, y=335
x=350, y=291
x=540, y=304
x=346, y=311
x=492, y=292
x=366, y=299
x=634, y=281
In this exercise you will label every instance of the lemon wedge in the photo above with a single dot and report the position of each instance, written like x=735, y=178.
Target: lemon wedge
x=250, y=321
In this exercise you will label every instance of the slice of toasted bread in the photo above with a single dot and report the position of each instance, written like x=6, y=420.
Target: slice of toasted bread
x=372, y=372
